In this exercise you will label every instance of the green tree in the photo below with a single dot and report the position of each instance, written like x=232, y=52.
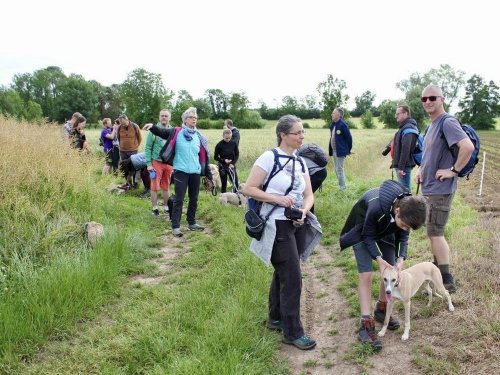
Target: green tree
x=448, y=79
x=33, y=111
x=367, y=120
x=481, y=103
x=144, y=95
x=76, y=95
x=219, y=102
x=238, y=104
x=110, y=103
x=387, y=110
x=45, y=90
x=331, y=96
x=11, y=103
x=364, y=103
x=22, y=84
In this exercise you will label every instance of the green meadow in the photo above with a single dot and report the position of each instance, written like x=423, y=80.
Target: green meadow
x=67, y=307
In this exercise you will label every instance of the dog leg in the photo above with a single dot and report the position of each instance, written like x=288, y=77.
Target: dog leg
x=450, y=305
x=429, y=293
x=406, y=333
x=388, y=312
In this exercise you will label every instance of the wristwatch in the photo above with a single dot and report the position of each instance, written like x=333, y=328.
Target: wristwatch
x=454, y=170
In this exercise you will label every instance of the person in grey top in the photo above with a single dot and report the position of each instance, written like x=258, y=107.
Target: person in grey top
x=438, y=174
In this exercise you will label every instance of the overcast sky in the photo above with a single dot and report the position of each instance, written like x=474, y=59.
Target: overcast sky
x=267, y=48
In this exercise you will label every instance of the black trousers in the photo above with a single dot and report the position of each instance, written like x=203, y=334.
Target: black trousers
x=182, y=182
x=115, y=158
x=224, y=173
x=286, y=284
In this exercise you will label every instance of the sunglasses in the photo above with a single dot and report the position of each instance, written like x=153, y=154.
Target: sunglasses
x=431, y=98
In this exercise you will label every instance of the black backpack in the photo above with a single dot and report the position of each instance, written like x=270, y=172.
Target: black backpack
x=315, y=153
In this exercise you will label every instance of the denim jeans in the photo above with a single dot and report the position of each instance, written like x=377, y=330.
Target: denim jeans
x=406, y=179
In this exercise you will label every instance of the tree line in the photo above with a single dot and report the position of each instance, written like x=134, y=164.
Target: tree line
x=51, y=95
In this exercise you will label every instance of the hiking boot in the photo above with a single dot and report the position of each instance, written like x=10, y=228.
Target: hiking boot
x=379, y=315
x=156, y=213
x=145, y=194
x=449, y=283
x=303, y=342
x=177, y=232
x=274, y=324
x=195, y=227
x=367, y=334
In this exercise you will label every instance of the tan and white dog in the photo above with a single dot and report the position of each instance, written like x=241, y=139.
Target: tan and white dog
x=409, y=282
x=236, y=199
x=215, y=175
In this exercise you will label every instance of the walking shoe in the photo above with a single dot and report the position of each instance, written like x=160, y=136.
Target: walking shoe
x=304, y=342
x=274, y=324
x=156, y=213
x=379, y=315
x=367, y=334
x=195, y=227
x=449, y=283
x=145, y=194
x=177, y=232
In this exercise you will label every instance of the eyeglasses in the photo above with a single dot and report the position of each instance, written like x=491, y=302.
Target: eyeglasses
x=298, y=133
x=432, y=98
x=398, y=113
x=192, y=117
x=165, y=116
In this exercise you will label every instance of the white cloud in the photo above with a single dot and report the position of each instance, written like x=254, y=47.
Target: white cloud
x=268, y=49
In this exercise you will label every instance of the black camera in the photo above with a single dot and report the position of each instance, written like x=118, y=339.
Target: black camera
x=386, y=150
x=293, y=213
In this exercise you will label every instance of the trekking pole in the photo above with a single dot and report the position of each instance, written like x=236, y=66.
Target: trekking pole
x=418, y=187
x=482, y=175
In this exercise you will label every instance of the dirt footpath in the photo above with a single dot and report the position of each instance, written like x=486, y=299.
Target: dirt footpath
x=325, y=316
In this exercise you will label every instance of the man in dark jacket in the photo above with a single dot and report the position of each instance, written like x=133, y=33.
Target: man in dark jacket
x=340, y=144
x=378, y=228
x=404, y=143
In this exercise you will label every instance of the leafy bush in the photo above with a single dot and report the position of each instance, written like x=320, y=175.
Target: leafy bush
x=205, y=123
x=367, y=120
x=250, y=120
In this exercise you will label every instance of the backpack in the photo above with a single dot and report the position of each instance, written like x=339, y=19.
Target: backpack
x=474, y=137
x=419, y=145
x=315, y=153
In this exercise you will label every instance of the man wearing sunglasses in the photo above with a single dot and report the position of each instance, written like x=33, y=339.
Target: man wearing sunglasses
x=438, y=174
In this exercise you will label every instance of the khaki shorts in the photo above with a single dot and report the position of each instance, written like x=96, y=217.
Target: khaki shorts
x=438, y=212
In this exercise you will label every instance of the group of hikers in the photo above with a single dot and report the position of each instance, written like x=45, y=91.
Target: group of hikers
x=378, y=225
x=283, y=181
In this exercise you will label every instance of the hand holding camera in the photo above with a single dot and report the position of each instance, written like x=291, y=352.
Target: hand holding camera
x=293, y=213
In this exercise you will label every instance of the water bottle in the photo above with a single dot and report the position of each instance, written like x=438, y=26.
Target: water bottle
x=152, y=174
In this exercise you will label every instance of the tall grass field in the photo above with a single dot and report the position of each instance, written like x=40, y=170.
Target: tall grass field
x=67, y=307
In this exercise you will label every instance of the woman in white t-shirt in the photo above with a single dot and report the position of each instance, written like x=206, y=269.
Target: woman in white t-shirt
x=284, y=240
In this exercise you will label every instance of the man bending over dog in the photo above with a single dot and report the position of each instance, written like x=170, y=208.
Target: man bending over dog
x=377, y=228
